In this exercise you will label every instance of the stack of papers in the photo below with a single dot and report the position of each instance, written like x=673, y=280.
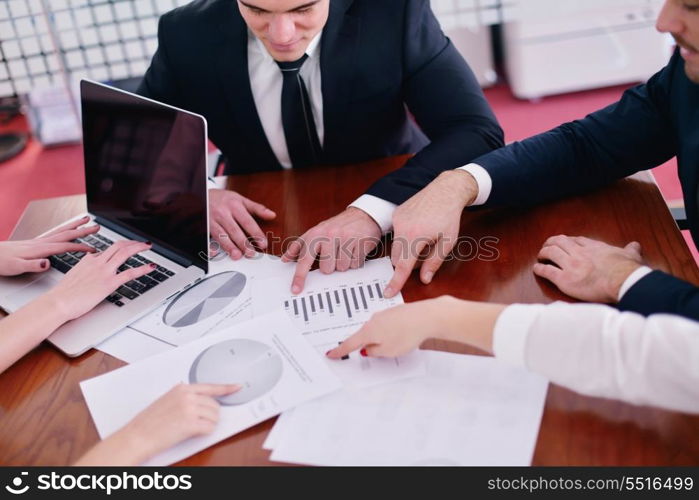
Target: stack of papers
x=467, y=410
x=241, y=325
x=333, y=307
x=173, y=324
x=267, y=356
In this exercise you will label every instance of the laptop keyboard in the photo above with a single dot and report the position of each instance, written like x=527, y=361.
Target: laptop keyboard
x=129, y=291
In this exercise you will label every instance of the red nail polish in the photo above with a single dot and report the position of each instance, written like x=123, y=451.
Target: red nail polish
x=152, y=266
x=44, y=264
x=363, y=353
x=328, y=353
x=148, y=242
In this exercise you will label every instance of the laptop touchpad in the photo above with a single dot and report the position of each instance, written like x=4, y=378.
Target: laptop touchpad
x=32, y=291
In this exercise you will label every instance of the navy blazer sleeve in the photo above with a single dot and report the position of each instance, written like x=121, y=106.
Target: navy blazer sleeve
x=635, y=133
x=658, y=292
x=447, y=102
x=160, y=81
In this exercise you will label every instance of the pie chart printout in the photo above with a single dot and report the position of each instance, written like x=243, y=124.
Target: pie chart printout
x=204, y=299
x=254, y=365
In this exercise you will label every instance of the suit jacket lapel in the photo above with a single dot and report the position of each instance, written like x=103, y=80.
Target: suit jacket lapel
x=337, y=62
x=233, y=75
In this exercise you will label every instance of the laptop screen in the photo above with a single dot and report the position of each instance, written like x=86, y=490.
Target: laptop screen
x=145, y=169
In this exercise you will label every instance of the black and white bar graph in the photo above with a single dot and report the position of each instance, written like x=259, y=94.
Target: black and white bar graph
x=345, y=303
x=333, y=305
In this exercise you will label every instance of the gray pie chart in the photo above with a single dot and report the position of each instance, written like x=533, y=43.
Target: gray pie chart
x=204, y=299
x=249, y=363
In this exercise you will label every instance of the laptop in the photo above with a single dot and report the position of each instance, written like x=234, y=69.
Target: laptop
x=145, y=179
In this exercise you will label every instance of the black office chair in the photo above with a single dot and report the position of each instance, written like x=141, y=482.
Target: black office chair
x=11, y=143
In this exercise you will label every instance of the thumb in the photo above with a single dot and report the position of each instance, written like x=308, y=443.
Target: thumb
x=634, y=247
x=34, y=266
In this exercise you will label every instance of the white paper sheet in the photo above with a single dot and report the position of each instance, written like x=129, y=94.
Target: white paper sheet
x=194, y=312
x=130, y=345
x=298, y=375
x=334, y=306
x=277, y=432
x=467, y=410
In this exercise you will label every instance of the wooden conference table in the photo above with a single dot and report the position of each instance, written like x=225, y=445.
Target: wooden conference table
x=45, y=420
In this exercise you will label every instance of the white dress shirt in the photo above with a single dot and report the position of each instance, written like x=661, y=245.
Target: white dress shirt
x=266, y=81
x=599, y=351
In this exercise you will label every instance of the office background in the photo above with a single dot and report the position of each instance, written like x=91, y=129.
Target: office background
x=542, y=62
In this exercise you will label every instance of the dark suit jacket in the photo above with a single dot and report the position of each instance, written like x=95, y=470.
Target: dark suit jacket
x=377, y=56
x=648, y=126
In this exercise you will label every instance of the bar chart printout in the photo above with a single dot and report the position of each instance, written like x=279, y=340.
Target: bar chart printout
x=345, y=304
x=335, y=304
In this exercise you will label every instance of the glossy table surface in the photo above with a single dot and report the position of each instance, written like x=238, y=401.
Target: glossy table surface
x=44, y=419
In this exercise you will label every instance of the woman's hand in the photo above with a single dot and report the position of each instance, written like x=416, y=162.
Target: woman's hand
x=399, y=330
x=29, y=256
x=183, y=412
x=95, y=277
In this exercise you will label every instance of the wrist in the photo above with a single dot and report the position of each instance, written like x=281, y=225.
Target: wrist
x=364, y=215
x=470, y=323
x=120, y=449
x=462, y=184
x=131, y=447
x=54, y=308
x=450, y=326
x=616, y=279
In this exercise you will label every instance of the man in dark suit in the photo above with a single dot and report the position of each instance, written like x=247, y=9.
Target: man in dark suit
x=296, y=83
x=648, y=126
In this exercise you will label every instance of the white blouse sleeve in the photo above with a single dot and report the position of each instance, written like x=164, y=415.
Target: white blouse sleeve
x=598, y=351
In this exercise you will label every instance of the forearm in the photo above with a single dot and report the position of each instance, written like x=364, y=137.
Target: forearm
x=444, y=154
x=630, y=135
x=659, y=292
x=120, y=449
x=470, y=323
x=552, y=165
x=456, y=117
x=23, y=330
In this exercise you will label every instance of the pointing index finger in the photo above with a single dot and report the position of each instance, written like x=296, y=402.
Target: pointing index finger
x=303, y=266
x=351, y=344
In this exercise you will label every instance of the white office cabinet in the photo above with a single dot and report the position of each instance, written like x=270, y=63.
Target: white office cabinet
x=467, y=24
x=475, y=46
x=557, y=46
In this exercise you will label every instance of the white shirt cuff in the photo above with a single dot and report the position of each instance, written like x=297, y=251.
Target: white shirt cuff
x=511, y=332
x=483, y=181
x=633, y=278
x=216, y=182
x=376, y=208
